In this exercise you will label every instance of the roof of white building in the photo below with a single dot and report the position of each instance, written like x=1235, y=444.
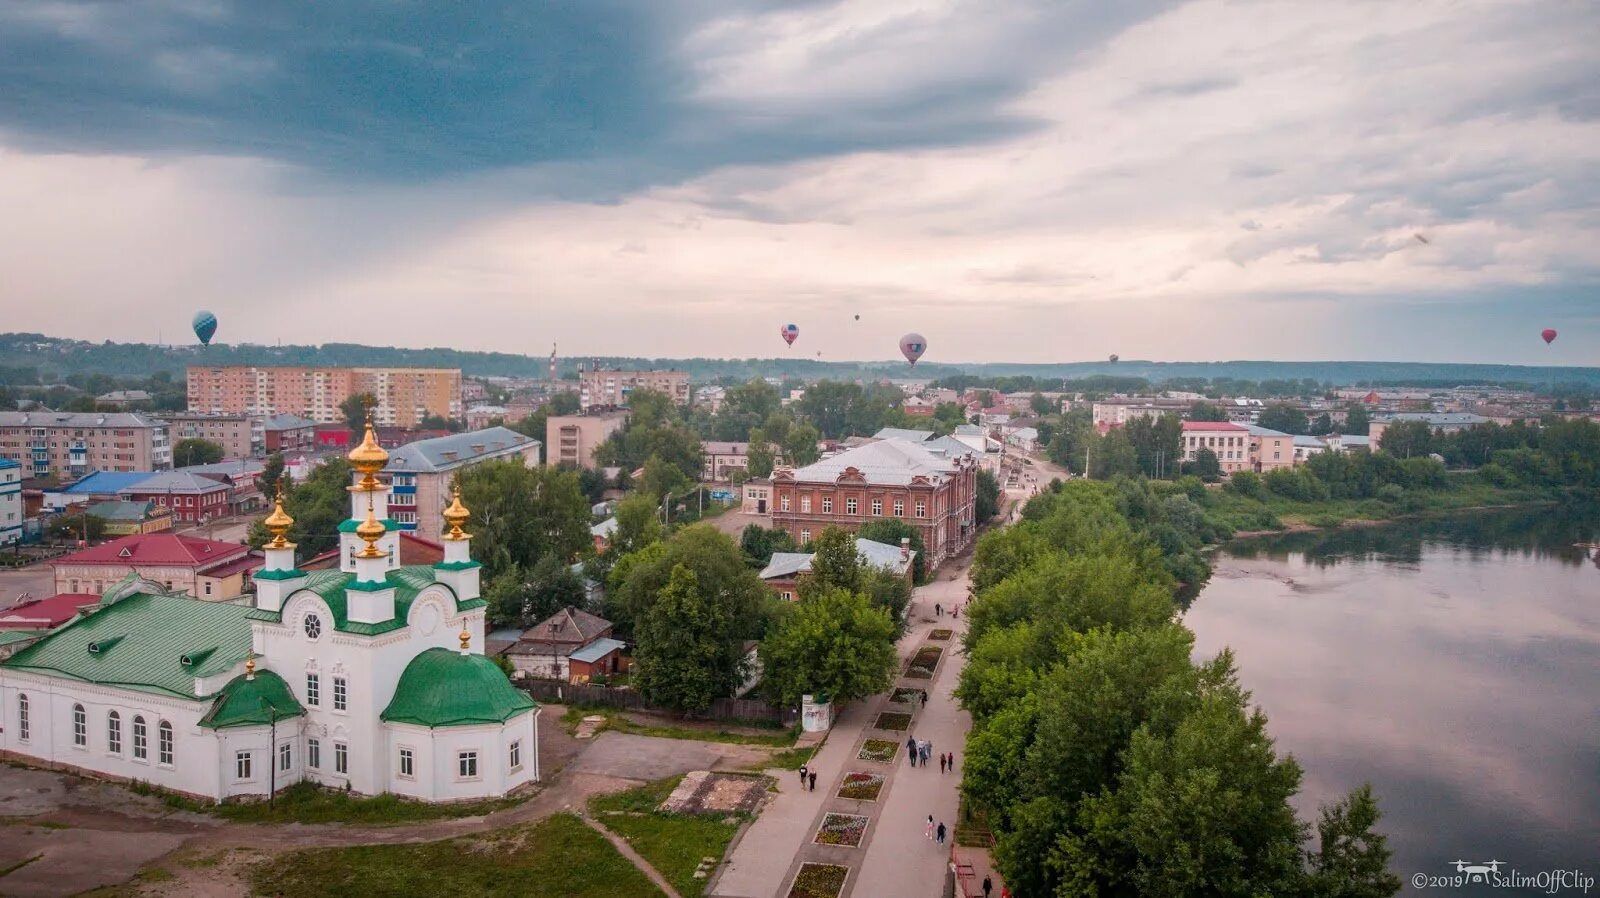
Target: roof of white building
x=454, y=450
x=1435, y=419
x=894, y=462
x=875, y=554
x=903, y=433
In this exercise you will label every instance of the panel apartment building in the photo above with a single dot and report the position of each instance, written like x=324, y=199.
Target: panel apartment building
x=610, y=389
x=69, y=445
x=405, y=395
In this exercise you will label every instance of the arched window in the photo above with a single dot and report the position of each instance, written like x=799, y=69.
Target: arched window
x=164, y=743
x=80, y=727
x=114, y=733
x=22, y=716
x=141, y=744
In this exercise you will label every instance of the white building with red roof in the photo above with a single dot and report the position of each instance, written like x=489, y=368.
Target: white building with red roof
x=204, y=568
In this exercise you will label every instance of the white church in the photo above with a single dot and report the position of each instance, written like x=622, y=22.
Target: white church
x=370, y=678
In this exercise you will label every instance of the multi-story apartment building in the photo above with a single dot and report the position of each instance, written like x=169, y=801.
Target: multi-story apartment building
x=1115, y=413
x=1228, y=441
x=68, y=445
x=571, y=439
x=421, y=473
x=405, y=395
x=1270, y=449
x=610, y=389
x=238, y=434
x=932, y=487
x=10, y=502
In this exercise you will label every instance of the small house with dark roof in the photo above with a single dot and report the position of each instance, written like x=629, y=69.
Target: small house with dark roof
x=571, y=645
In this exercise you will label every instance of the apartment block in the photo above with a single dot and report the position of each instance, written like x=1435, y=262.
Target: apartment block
x=68, y=445
x=571, y=439
x=610, y=389
x=238, y=435
x=1228, y=441
x=405, y=395
x=421, y=473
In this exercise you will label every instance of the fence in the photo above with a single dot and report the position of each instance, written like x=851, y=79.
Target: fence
x=730, y=709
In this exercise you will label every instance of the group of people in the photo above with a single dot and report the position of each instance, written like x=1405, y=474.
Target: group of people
x=808, y=779
x=936, y=833
x=938, y=610
x=918, y=751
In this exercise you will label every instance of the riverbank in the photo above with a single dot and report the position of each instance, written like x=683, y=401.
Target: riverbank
x=1244, y=513
x=1304, y=526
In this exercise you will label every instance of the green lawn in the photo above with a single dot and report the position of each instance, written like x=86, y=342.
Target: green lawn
x=778, y=738
x=673, y=843
x=309, y=803
x=559, y=857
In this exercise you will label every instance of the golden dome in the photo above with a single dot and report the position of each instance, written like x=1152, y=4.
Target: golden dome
x=368, y=458
x=250, y=666
x=278, y=524
x=370, y=531
x=466, y=639
x=455, y=516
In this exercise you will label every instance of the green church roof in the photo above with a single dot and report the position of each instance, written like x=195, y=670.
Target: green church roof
x=142, y=641
x=407, y=581
x=252, y=702
x=443, y=688
x=349, y=525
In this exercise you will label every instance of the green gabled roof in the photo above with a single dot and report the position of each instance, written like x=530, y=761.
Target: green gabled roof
x=407, y=581
x=142, y=641
x=443, y=688
x=245, y=702
x=349, y=525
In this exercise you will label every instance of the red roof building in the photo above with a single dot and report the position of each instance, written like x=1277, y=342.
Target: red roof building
x=204, y=568
x=47, y=613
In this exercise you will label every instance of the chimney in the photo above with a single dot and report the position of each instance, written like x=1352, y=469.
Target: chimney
x=905, y=548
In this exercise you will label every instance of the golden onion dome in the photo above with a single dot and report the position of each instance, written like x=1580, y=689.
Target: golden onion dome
x=456, y=515
x=278, y=524
x=368, y=458
x=370, y=531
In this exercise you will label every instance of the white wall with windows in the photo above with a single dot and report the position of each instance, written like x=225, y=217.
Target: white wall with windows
x=456, y=763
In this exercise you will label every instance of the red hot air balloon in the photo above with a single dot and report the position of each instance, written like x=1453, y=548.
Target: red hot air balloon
x=1549, y=334
x=790, y=333
x=912, y=346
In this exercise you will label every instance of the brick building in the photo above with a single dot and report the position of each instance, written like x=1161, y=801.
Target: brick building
x=67, y=445
x=933, y=488
x=193, y=498
x=405, y=395
x=571, y=439
x=288, y=433
x=1228, y=441
x=236, y=434
x=204, y=568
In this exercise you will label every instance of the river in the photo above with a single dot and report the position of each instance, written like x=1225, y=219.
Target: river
x=1453, y=663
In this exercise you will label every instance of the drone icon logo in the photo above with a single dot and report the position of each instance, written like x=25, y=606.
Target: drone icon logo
x=1478, y=872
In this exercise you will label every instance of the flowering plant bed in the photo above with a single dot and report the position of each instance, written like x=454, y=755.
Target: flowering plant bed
x=940, y=634
x=819, y=881
x=923, y=662
x=842, y=829
x=907, y=695
x=894, y=720
x=879, y=750
x=861, y=786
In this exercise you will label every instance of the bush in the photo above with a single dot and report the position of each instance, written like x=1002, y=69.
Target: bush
x=1246, y=483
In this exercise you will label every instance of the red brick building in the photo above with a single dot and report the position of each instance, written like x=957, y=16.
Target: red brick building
x=932, y=486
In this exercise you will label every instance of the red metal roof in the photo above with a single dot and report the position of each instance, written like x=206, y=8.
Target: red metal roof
x=1212, y=425
x=43, y=614
x=413, y=550
x=158, y=548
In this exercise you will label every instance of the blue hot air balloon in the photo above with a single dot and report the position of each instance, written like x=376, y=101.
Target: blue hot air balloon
x=205, y=326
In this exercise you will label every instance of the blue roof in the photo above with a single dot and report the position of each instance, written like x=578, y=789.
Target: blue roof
x=108, y=482
x=598, y=649
x=8, y=463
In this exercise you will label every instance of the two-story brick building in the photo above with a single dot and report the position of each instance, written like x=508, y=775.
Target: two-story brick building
x=931, y=486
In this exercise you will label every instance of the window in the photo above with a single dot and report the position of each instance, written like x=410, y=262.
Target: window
x=805, y=538
x=242, y=765
x=850, y=506
x=467, y=765
x=341, y=698
x=827, y=505
x=285, y=756
x=877, y=508
x=313, y=626
x=516, y=755
x=899, y=508
x=164, y=743
x=341, y=757
x=805, y=503
x=80, y=727
x=782, y=500
x=922, y=508
x=407, y=763
x=314, y=753
x=114, y=733
x=141, y=743
x=787, y=596
x=22, y=717
x=208, y=587
x=313, y=689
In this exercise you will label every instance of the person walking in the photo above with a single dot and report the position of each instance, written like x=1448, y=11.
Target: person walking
x=813, y=776
x=941, y=763
x=988, y=886
x=941, y=832
x=952, y=757
x=802, y=776
x=938, y=609
x=928, y=833
x=911, y=750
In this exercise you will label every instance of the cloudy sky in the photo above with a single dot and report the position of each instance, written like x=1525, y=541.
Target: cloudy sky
x=1020, y=181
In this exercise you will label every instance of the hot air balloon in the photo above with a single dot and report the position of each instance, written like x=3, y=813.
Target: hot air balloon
x=858, y=317
x=1113, y=358
x=912, y=346
x=205, y=326
x=1549, y=334
x=790, y=333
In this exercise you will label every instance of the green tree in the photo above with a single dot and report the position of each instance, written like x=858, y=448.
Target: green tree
x=271, y=476
x=719, y=568
x=889, y=591
x=520, y=513
x=1042, y=405
x=661, y=478
x=1157, y=444
x=195, y=451
x=355, y=409
x=683, y=656
x=552, y=586
x=1205, y=466
x=1321, y=426
x=638, y=524
x=800, y=445
x=79, y=527
x=836, y=563
x=759, y=457
x=744, y=408
x=890, y=531
x=1284, y=418
x=1205, y=411
x=318, y=505
x=1113, y=456
x=1407, y=439
x=833, y=643
x=986, y=504
x=1356, y=420
x=1352, y=860
x=758, y=543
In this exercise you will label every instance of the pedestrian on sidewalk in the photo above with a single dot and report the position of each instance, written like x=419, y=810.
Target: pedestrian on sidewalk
x=952, y=757
x=988, y=886
x=941, y=832
x=813, y=776
x=929, y=831
x=911, y=750
x=941, y=763
x=802, y=776
x=938, y=609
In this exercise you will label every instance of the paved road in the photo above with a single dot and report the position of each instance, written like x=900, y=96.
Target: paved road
x=36, y=580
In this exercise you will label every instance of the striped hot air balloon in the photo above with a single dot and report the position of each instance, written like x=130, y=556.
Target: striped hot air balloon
x=205, y=326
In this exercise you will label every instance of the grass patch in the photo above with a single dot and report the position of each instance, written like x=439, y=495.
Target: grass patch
x=881, y=750
x=819, y=881
x=790, y=758
x=782, y=738
x=559, y=857
x=908, y=695
x=7, y=871
x=923, y=662
x=940, y=634
x=675, y=844
x=893, y=720
x=307, y=802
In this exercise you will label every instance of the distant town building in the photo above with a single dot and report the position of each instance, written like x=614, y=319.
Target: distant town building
x=123, y=398
x=193, y=498
x=405, y=395
x=481, y=416
x=68, y=445
x=11, y=514
x=571, y=645
x=421, y=472
x=928, y=486
x=1270, y=449
x=1229, y=442
x=125, y=518
x=235, y=433
x=288, y=433
x=917, y=407
x=1438, y=422
x=783, y=572
x=603, y=388
x=46, y=613
x=572, y=439
x=203, y=568
x=722, y=459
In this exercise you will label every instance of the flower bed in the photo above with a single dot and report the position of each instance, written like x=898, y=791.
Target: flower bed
x=819, y=881
x=907, y=695
x=893, y=720
x=881, y=750
x=940, y=634
x=842, y=829
x=923, y=662
x=861, y=786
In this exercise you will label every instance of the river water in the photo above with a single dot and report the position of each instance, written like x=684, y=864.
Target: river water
x=1453, y=663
